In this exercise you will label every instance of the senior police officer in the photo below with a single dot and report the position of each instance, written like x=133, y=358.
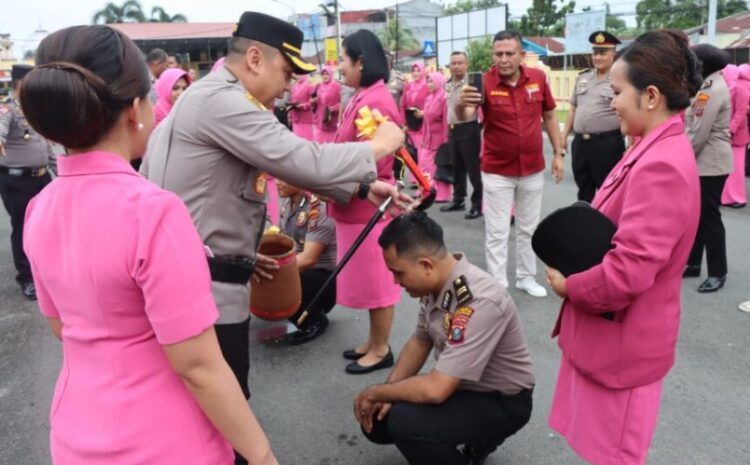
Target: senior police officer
x=25, y=161
x=598, y=143
x=218, y=143
x=480, y=391
x=304, y=218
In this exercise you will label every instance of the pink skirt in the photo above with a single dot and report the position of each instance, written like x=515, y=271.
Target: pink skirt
x=272, y=201
x=604, y=426
x=734, y=189
x=365, y=282
x=303, y=130
x=323, y=137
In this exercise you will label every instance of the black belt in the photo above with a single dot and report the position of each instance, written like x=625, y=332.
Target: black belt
x=456, y=127
x=24, y=172
x=233, y=269
x=599, y=135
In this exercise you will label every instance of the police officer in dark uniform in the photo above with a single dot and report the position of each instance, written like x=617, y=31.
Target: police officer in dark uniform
x=25, y=162
x=480, y=390
x=598, y=143
x=304, y=219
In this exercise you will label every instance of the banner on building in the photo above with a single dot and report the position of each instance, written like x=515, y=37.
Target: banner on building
x=332, y=54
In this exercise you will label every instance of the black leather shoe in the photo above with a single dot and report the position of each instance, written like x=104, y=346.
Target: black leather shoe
x=453, y=207
x=29, y=290
x=308, y=333
x=355, y=368
x=691, y=271
x=472, y=214
x=352, y=354
x=712, y=284
x=477, y=455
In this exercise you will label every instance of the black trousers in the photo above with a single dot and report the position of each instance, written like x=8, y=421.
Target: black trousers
x=711, y=235
x=234, y=340
x=592, y=161
x=464, y=142
x=430, y=434
x=16, y=192
x=312, y=281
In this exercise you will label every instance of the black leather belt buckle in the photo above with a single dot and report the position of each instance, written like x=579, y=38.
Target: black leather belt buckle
x=232, y=269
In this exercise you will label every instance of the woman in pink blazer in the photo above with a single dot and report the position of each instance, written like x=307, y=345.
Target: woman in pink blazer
x=414, y=96
x=122, y=277
x=327, y=107
x=434, y=132
x=301, y=111
x=366, y=283
x=734, y=194
x=609, y=386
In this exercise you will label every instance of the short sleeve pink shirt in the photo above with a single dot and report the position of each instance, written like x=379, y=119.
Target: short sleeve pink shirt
x=119, y=261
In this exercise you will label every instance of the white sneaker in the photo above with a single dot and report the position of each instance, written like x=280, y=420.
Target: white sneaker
x=745, y=306
x=531, y=287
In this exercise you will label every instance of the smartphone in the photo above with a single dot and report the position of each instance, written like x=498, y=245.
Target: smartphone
x=476, y=79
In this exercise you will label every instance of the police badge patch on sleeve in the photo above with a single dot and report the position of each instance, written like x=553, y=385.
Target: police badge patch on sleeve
x=460, y=320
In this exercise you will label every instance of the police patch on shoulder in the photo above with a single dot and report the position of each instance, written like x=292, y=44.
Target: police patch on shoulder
x=460, y=320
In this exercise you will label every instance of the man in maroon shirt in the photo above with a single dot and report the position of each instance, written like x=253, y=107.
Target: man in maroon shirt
x=515, y=100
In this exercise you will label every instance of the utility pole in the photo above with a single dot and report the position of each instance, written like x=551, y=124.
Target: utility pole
x=398, y=45
x=337, y=12
x=712, y=22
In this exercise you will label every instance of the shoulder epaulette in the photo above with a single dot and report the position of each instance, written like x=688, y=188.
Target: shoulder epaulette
x=584, y=71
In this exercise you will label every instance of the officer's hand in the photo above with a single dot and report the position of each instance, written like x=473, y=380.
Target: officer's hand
x=470, y=96
x=556, y=281
x=381, y=190
x=558, y=167
x=2, y=150
x=419, y=114
x=264, y=266
x=364, y=410
x=382, y=410
x=387, y=139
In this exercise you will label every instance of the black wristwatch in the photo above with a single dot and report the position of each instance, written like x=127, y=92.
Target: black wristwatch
x=362, y=191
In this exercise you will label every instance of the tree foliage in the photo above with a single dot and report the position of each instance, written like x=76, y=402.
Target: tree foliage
x=479, y=52
x=546, y=18
x=131, y=11
x=682, y=14
x=463, y=6
x=395, y=36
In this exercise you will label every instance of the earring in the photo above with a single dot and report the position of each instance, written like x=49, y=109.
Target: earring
x=140, y=126
x=650, y=107
x=360, y=68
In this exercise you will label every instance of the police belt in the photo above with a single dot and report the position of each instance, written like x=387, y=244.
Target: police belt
x=599, y=135
x=24, y=172
x=232, y=269
x=465, y=124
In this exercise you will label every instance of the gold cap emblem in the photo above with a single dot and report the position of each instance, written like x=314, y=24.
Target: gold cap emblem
x=599, y=39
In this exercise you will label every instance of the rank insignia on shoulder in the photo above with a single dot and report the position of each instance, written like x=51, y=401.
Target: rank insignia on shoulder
x=707, y=84
x=447, y=300
x=463, y=293
x=584, y=71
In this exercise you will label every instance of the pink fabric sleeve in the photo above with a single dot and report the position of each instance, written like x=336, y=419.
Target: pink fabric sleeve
x=644, y=241
x=172, y=271
x=740, y=99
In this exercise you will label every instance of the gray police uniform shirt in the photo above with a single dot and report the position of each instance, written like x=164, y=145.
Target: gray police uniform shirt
x=452, y=96
x=307, y=221
x=707, y=124
x=214, y=150
x=24, y=147
x=477, y=334
x=592, y=98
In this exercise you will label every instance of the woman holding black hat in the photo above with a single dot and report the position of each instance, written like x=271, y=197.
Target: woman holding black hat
x=122, y=277
x=707, y=125
x=618, y=324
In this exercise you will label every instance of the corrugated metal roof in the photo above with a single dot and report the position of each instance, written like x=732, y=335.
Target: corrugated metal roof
x=161, y=31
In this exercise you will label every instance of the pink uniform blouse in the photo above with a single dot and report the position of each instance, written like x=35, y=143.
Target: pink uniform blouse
x=301, y=93
x=329, y=96
x=376, y=97
x=120, y=263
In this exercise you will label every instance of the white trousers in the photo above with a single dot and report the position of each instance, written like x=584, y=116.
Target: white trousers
x=498, y=197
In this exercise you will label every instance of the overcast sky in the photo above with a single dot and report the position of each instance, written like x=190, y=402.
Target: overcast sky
x=24, y=17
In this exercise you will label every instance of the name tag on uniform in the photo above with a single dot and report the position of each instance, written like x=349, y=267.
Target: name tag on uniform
x=499, y=93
